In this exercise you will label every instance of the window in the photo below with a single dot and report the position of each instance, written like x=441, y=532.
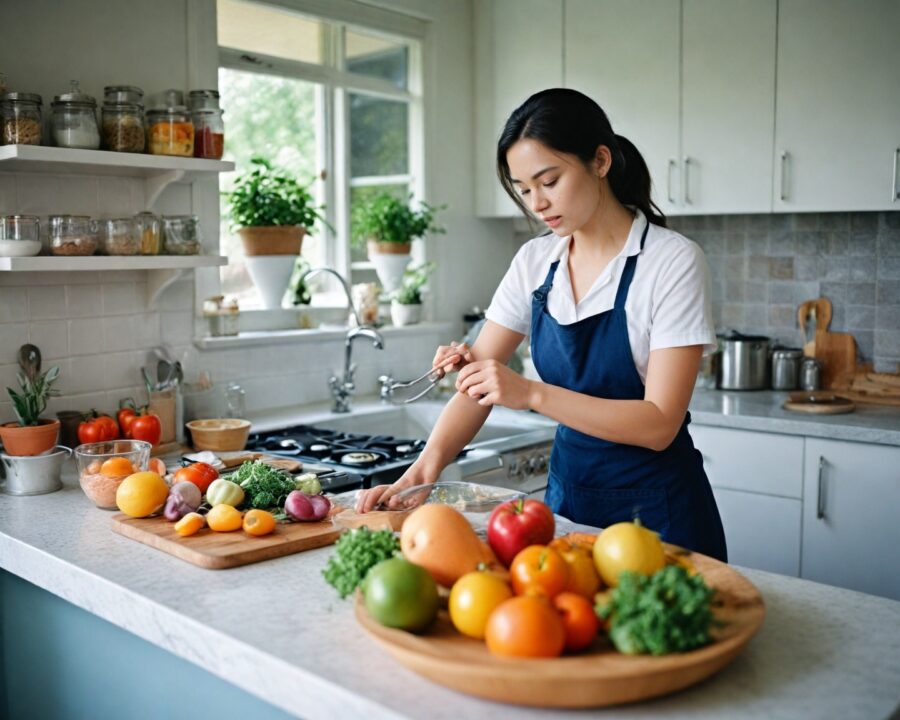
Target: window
x=333, y=104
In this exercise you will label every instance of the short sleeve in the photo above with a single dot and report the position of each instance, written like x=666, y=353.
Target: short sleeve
x=682, y=302
x=511, y=304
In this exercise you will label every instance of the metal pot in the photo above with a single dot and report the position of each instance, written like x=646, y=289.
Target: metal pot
x=34, y=474
x=745, y=362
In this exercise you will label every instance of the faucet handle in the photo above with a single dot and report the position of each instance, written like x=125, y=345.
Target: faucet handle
x=387, y=387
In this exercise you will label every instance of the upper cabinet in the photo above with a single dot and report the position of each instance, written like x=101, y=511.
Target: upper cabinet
x=518, y=51
x=837, y=129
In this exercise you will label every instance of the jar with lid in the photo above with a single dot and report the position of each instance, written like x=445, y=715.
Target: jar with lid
x=119, y=237
x=20, y=236
x=222, y=316
x=786, y=368
x=21, y=114
x=203, y=100
x=73, y=123
x=209, y=134
x=170, y=132
x=148, y=229
x=181, y=234
x=72, y=235
x=123, y=94
x=123, y=128
x=810, y=374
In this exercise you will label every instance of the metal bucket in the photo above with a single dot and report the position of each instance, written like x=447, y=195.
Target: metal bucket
x=35, y=474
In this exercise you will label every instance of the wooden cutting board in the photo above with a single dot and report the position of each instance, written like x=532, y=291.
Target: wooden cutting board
x=819, y=403
x=215, y=550
x=837, y=351
x=598, y=677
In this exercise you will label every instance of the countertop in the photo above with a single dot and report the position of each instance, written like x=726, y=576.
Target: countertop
x=822, y=651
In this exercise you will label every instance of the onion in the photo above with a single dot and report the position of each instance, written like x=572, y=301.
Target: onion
x=298, y=507
x=321, y=505
x=189, y=493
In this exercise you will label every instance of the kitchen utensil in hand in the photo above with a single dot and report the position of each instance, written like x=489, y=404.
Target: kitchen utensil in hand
x=433, y=377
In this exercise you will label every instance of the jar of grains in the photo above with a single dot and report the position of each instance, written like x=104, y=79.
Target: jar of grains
x=21, y=113
x=170, y=132
x=182, y=234
x=119, y=94
x=72, y=235
x=123, y=128
x=119, y=237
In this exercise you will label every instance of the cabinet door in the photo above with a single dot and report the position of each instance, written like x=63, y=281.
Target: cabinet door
x=626, y=56
x=518, y=51
x=851, y=516
x=728, y=105
x=836, y=128
x=762, y=532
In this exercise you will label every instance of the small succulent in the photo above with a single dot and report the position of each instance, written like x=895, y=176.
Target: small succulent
x=30, y=403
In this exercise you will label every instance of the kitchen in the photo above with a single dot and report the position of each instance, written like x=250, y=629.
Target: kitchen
x=774, y=156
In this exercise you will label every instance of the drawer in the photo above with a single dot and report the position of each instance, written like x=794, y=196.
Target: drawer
x=753, y=461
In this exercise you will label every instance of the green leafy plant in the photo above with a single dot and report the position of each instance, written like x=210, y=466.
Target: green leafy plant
x=30, y=403
x=356, y=552
x=384, y=218
x=266, y=196
x=414, y=279
x=299, y=290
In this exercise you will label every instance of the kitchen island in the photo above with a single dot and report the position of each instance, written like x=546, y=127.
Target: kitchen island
x=278, y=633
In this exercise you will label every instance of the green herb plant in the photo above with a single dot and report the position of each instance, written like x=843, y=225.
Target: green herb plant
x=667, y=612
x=265, y=487
x=384, y=218
x=414, y=279
x=355, y=553
x=35, y=390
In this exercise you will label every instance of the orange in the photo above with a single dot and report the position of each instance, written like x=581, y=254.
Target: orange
x=190, y=524
x=116, y=467
x=141, y=494
x=579, y=620
x=525, y=626
x=539, y=568
x=224, y=518
x=259, y=522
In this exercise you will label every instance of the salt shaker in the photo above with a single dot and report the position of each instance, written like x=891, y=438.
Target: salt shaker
x=810, y=374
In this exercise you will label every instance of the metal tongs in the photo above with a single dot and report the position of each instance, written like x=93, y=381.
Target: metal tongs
x=433, y=376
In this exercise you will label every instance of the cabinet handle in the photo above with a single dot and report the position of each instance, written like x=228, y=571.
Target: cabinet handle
x=672, y=165
x=687, y=181
x=784, y=159
x=820, y=496
x=894, y=193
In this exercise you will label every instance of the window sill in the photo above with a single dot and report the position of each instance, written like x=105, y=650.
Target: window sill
x=315, y=335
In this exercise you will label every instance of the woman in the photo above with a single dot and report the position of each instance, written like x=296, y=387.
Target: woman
x=618, y=313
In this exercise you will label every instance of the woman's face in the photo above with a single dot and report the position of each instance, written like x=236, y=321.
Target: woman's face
x=556, y=186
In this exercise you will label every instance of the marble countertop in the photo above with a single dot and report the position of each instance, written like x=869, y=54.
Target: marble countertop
x=762, y=410
x=822, y=652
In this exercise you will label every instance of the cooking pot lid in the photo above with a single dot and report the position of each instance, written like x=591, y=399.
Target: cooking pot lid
x=735, y=336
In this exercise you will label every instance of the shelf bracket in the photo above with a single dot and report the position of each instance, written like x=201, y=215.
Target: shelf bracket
x=155, y=184
x=158, y=281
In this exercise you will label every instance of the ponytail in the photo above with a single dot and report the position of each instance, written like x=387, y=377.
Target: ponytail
x=630, y=181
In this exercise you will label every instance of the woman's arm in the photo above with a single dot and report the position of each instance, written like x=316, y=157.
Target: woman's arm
x=652, y=422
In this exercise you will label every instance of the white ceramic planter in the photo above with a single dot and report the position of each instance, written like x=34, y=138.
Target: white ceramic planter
x=389, y=268
x=270, y=274
x=405, y=314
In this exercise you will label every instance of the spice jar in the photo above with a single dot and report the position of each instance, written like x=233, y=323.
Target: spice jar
x=72, y=235
x=209, y=134
x=170, y=132
x=222, y=316
x=73, y=123
x=123, y=128
x=119, y=237
x=147, y=228
x=203, y=100
x=181, y=234
x=123, y=94
x=20, y=236
x=21, y=114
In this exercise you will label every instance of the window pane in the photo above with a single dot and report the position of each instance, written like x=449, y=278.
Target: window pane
x=275, y=118
x=268, y=31
x=375, y=57
x=379, y=136
x=362, y=194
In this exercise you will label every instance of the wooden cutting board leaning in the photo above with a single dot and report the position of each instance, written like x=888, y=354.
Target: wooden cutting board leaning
x=836, y=351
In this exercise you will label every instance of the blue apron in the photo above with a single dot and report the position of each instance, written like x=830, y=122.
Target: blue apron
x=598, y=482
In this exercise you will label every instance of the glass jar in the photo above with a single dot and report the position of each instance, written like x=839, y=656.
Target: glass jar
x=73, y=123
x=20, y=236
x=21, y=114
x=147, y=228
x=119, y=237
x=123, y=128
x=72, y=235
x=123, y=94
x=222, y=316
x=170, y=132
x=181, y=234
x=209, y=134
x=203, y=100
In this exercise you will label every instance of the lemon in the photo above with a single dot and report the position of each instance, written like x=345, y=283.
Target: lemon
x=627, y=546
x=224, y=518
x=141, y=494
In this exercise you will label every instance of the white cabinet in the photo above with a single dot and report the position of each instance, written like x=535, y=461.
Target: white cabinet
x=837, y=134
x=851, y=516
x=518, y=51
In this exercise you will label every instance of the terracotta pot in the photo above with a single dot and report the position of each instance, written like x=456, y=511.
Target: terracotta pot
x=273, y=240
x=30, y=440
x=388, y=248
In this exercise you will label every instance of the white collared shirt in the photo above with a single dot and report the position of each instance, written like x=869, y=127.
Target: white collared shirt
x=669, y=303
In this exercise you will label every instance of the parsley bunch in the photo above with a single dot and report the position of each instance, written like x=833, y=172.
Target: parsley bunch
x=264, y=486
x=666, y=612
x=355, y=553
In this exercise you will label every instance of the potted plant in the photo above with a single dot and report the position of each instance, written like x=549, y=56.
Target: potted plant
x=33, y=434
x=271, y=212
x=387, y=226
x=406, y=301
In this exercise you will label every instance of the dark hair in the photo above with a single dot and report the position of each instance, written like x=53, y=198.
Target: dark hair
x=570, y=122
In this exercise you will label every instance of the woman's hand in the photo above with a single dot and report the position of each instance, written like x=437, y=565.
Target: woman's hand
x=452, y=357
x=384, y=494
x=495, y=384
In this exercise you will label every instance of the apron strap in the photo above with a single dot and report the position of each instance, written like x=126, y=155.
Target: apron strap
x=541, y=293
x=628, y=274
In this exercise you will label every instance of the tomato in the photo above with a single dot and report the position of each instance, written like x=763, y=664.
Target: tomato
x=627, y=546
x=401, y=594
x=583, y=576
x=525, y=626
x=258, y=522
x=516, y=524
x=109, y=427
x=199, y=473
x=578, y=618
x=89, y=432
x=473, y=598
x=98, y=429
x=539, y=569
x=125, y=417
x=224, y=518
x=146, y=427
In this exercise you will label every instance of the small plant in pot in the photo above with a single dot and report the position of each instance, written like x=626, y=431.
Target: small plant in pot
x=33, y=434
x=406, y=301
x=387, y=226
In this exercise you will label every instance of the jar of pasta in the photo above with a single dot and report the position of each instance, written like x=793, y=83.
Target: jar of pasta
x=21, y=114
x=170, y=132
x=148, y=229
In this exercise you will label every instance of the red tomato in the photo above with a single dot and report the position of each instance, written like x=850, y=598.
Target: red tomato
x=146, y=427
x=579, y=620
x=98, y=429
x=126, y=416
x=109, y=427
x=516, y=524
x=199, y=473
x=88, y=432
x=525, y=627
x=539, y=569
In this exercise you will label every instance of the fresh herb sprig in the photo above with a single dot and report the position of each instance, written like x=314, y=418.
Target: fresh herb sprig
x=354, y=554
x=264, y=486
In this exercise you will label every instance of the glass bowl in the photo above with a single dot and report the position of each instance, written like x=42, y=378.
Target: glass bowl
x=100, y=474
x=463, y=496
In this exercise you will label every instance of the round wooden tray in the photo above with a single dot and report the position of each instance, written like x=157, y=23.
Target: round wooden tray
x=600, y=676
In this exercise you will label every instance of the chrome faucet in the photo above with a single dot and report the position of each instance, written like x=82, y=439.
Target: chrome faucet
x=343, y=388
x=350, y=306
